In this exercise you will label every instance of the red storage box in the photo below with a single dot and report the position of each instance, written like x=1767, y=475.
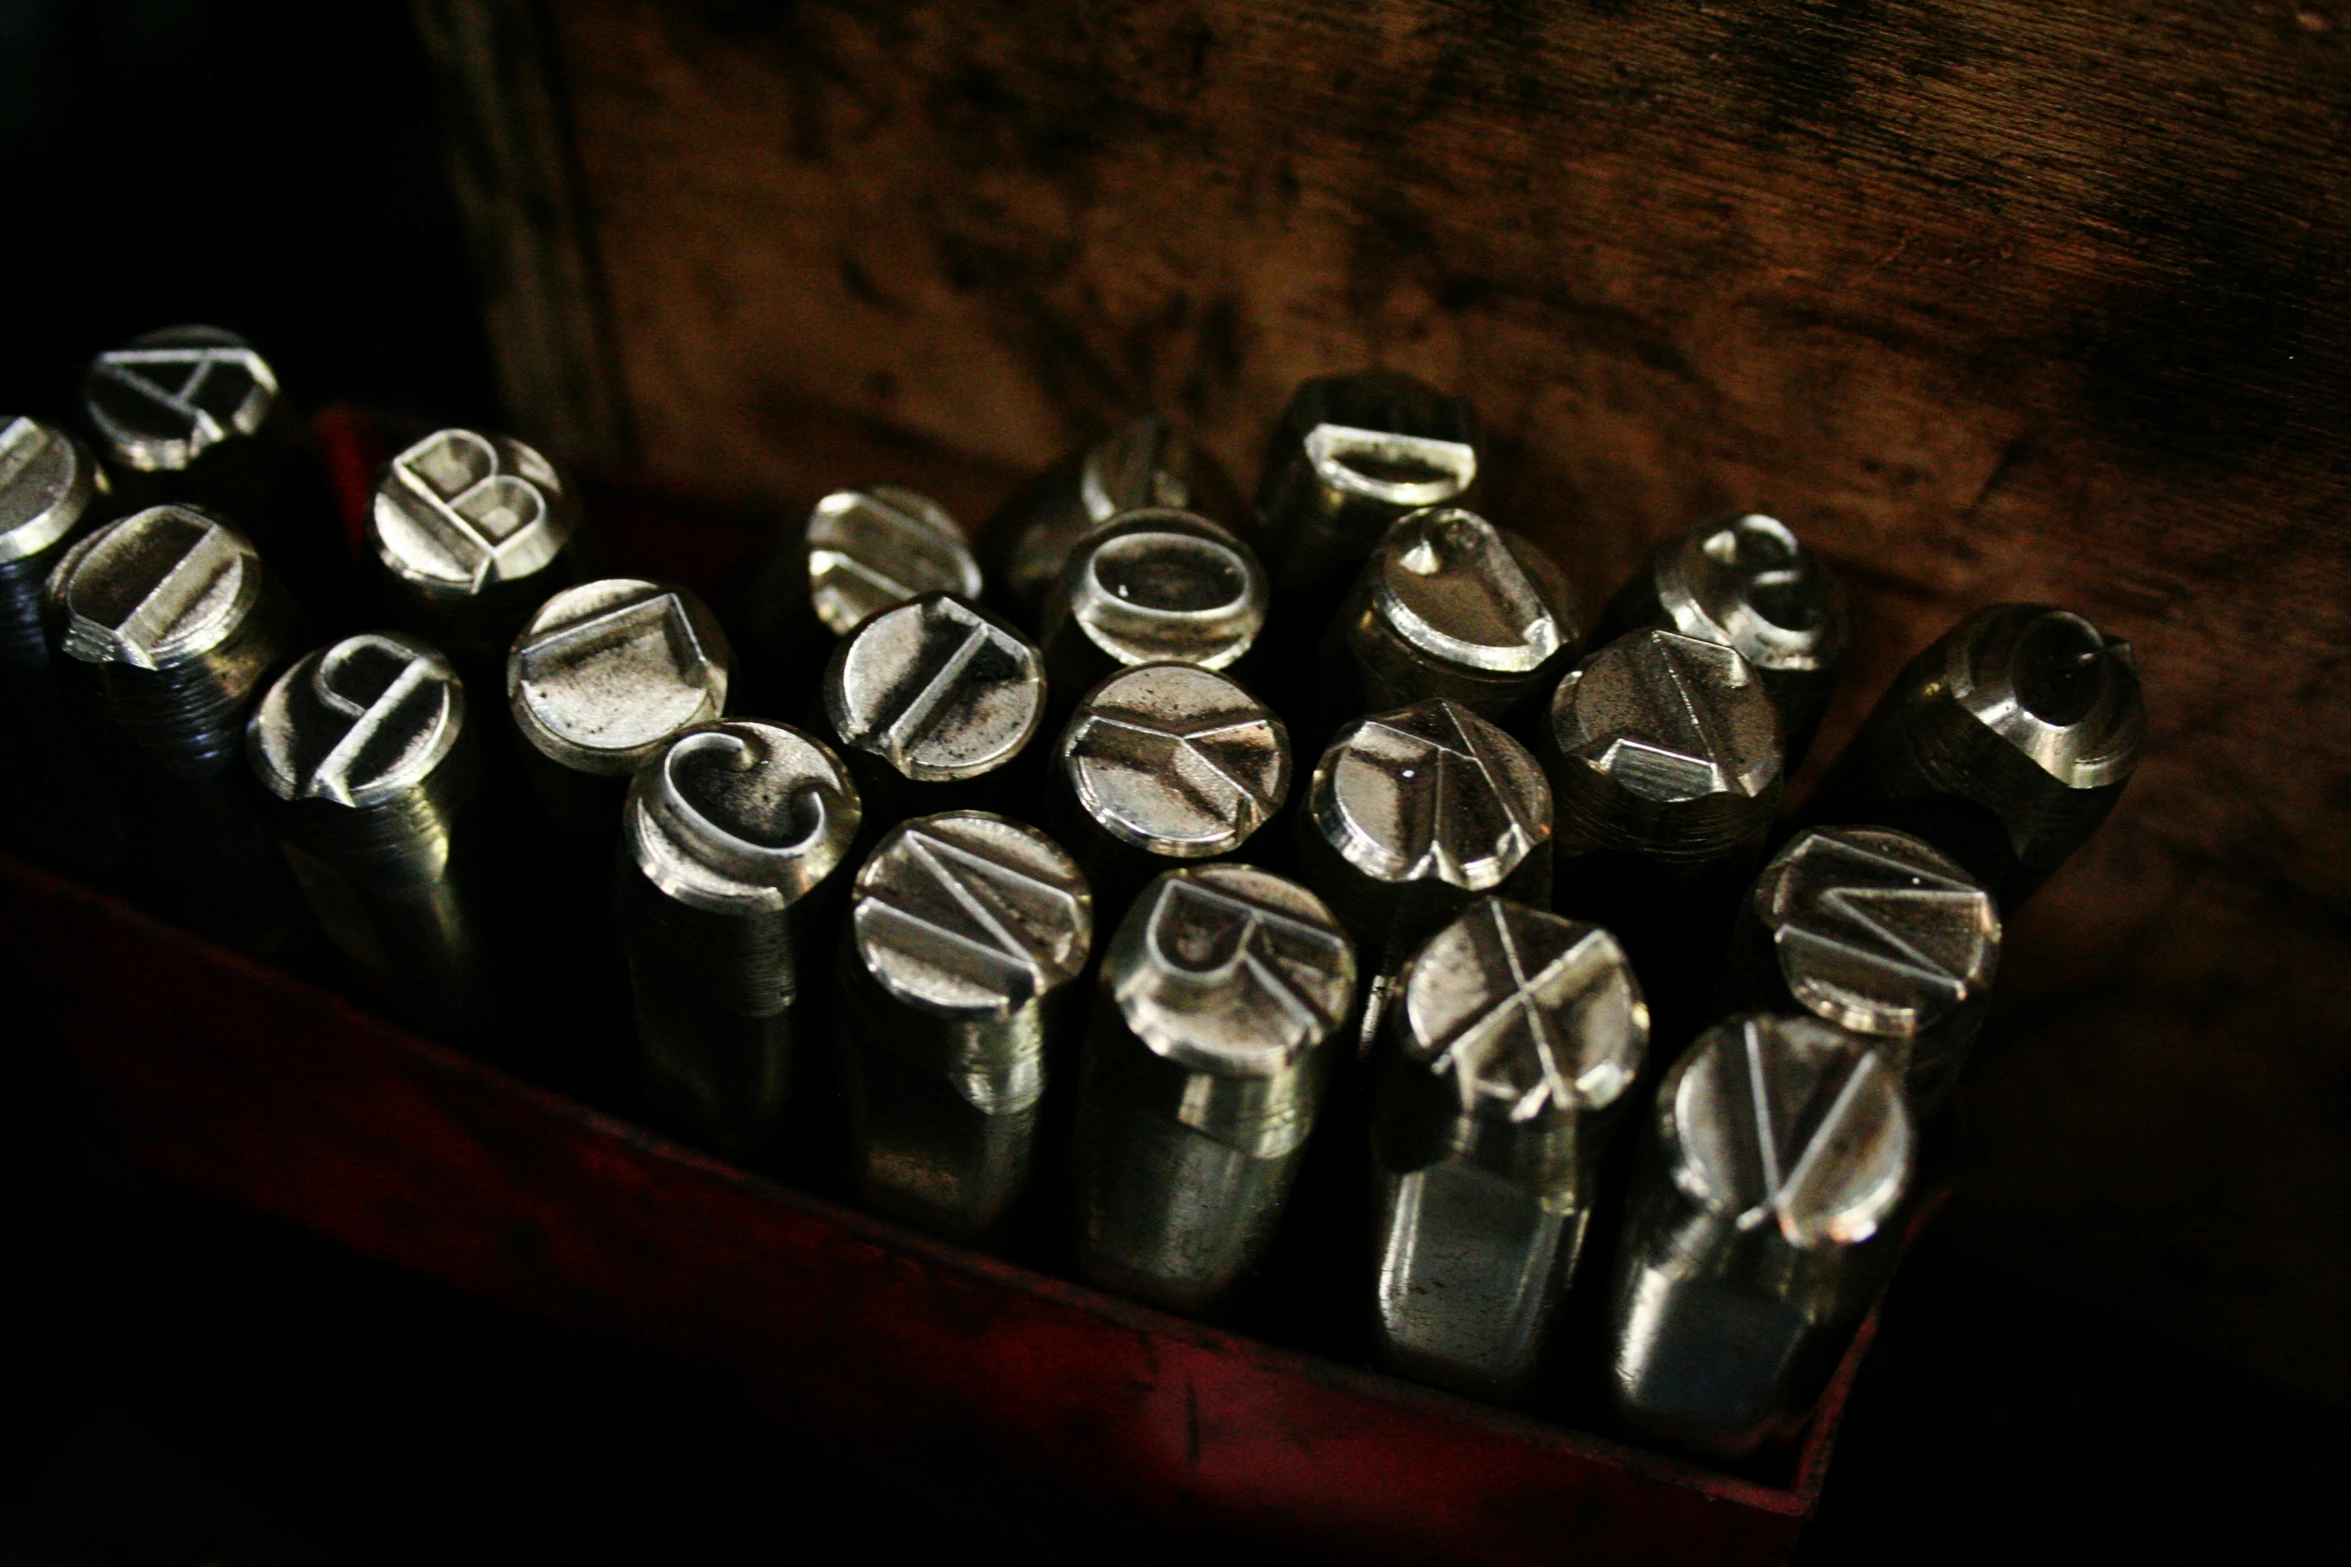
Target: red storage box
x=922, y=1364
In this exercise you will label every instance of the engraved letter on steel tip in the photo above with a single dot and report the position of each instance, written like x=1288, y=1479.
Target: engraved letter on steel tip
x=1748, y=583
x=473, y=530
x=1511, y=1035
x=1411, y=814
x=1448, y=606
x=932, y=701
x=1157, y=586
x=366, y=748
x=2005, y=745
x=860, y=552
x=170, y=624
x=1205, y=1062
x=1164, y=763
x=169, y=397
x=965, y=933
x=54, y=797
x=726, y=836
x=603, y=677
x=1878, y=933
x=1756, y=1236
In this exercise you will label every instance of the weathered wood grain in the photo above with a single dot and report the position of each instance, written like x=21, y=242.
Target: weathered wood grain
x=2009, y=300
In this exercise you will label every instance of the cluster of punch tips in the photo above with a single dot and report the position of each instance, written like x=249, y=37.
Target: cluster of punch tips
x=1031, y=919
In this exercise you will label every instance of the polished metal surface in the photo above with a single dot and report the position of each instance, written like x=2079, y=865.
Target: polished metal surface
x=1145, y=462
x=1410, y=814
x=1164, y=763
x=965, y=932
x=1664, y=745
x=1351, y=455
x=1748, y=582
x=1875, y=932
x=51, y=794
x=1511, y=1036
x=169, y=624
x=602, y=678
x=367, y=750
x=930, y=701
x=1153, y=587
x=728, y=834
x=472, y=532
x=1756, y=1236
x=860, y=552
x=1447, y=606
x=1204, y=1068
x=166, y=399
x=48, y=484
x=1664, y=759
x=2004, y=745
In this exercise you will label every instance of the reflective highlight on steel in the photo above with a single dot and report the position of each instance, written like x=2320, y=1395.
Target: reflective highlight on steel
x=965, y=931
x=1412, y=813
x=1875, y=932
x=869, y=549
x=1510, y=1035
x=1448, y=606
x=1663, y=753
x=2004, y=745
x=929, y=695
x=1663, y=744
x=170, y=624
x=1145, y=462
x=1204, y=1069
x=1351, y=455
x=1753, y=1247
x=51, y=792
x=1164, y=763
x=1749, y=583
x=725, y=837
x=1153, y=587
x=473, y=530
x=366, y=748
x=169, y=397
x=601, y=679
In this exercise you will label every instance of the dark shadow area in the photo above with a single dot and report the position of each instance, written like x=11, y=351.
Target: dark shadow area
x=262, y=165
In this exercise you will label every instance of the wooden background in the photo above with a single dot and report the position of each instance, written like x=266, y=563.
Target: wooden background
x=2019, y=299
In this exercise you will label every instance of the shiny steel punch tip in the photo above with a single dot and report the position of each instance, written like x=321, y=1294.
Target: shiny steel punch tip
x=1205, y=1061
x=51, y=491
x=1756, y=1235
x=1154, y=587
x=1664, y=758
x=1875, y=932
x=1447, y=606
x=167, y=401
x=1352, y=454
x=860, y=552
x=965, y=932
x=473, y=532
x=600, y=680
x=1413, y=813
x=1511, y=1037
x=1748, y=583
x=1163, y=764
x=1146, y=462
x=931, y=702
x=368, y=752
x=170, y=625
x=2004, y=745
x=727, y=834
